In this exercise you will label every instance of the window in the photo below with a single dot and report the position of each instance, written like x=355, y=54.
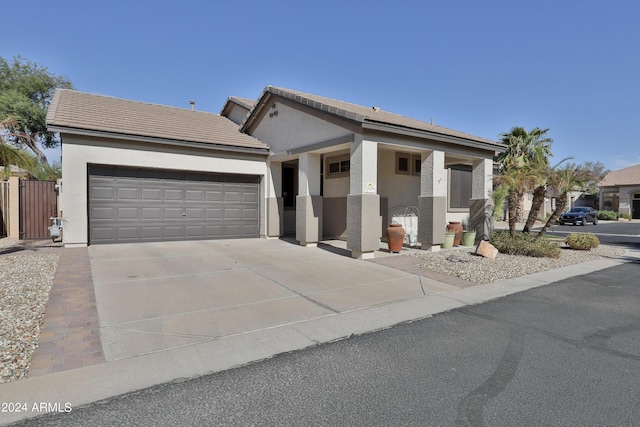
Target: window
x=417, y=164
x=403, y=164
x=338, y=166
x=460, y=178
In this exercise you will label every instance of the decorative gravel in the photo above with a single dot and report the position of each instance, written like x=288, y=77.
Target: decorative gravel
x=466, y=265
x=25, y=281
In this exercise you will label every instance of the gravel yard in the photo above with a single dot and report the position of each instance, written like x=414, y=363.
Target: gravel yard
x=464, y=264
x=25, y=281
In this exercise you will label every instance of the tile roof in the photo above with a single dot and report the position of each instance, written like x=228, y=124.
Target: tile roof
x=243, y=102
x=73, y=111
x=626, y=176
x=372, y=114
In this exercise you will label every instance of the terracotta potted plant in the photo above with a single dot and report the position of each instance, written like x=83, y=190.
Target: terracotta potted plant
x=455, y=227
x=395, y=237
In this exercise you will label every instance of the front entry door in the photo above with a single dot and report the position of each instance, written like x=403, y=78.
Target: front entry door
x=289, y=193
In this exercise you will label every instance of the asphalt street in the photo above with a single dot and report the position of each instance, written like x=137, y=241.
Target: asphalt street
x=625, y=234
x=565, y=354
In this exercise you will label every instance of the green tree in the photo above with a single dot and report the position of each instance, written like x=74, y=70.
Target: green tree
x=10, y=155
x=597, y=171
x=528, y=151
x=26, y=89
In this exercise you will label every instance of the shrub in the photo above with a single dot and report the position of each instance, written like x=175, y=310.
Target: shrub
x=608, y=215
x=582, y=241
x=498, y=195
x=625, y=216
x=524, y=244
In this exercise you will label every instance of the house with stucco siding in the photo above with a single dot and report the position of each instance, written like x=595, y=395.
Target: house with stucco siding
x=620, y=191
x=287, y=163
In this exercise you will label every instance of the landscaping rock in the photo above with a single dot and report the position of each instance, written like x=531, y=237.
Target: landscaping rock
x=486, y=250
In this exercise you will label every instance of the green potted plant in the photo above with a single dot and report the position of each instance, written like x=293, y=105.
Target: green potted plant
x=449, y=237
x=468, y=236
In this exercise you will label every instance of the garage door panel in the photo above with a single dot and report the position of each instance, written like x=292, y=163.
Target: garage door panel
x=172, y=213
x=250, y=198
x=128, y=213
x=104, y=193
x=151, y=214
x=102, y=213
x=194, y=232
x=127, y=233
x=195, y=195
x=128, y=205
x=212, y=214
x=194, y=213
x=174, y=232
x=231, y=213
x=214, y=196
x=173, y=195
x=151, y=233
x=152, y=194
x=249, y=214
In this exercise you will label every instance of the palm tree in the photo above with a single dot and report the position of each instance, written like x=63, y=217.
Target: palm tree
x=540, y=192
x=524, y=149
x=10, y=155
x=516, y=180
x=563, y=181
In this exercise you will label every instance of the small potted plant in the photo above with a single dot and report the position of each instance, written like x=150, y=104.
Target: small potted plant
x=449, y=237
x=468, y=236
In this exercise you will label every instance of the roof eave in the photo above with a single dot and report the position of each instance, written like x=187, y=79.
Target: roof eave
x=155, y=140
x=451, y=139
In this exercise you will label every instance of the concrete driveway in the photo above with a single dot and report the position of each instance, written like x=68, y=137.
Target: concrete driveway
x=157, y=296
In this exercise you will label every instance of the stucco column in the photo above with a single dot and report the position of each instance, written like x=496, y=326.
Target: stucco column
x=364, y=222
x=14, y=208
x=309, y=201
x=432, y=202
x=481, y=204
x=275, y=202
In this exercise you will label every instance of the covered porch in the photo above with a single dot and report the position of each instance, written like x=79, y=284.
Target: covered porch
x=352, y=189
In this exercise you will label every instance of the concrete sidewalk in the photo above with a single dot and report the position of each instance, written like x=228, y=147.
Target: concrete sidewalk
x=159, y=322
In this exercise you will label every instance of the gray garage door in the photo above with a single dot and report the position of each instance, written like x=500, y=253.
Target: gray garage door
x=147, y=205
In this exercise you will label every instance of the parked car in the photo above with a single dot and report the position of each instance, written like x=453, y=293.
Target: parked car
x=580, y=215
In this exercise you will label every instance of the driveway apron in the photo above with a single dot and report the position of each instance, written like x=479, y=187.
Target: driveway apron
x=158, y=296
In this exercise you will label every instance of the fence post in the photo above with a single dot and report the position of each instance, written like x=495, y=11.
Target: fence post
x=14, y=208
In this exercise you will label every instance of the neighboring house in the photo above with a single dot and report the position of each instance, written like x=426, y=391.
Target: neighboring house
x=289, y=162
x=620, y=191
x=13, y=170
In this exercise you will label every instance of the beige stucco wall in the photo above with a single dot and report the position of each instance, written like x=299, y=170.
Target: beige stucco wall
x=626, y=198
x=79, y=152
x=291, y=129
x=237, y=114
x=401, y=191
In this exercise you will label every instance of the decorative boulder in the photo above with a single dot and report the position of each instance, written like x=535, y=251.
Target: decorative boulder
x=486, y=250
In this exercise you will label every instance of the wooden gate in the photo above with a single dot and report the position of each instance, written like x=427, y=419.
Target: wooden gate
x=37, y=205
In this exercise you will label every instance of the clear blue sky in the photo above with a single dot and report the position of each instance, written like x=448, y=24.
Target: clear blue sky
x=480, y=67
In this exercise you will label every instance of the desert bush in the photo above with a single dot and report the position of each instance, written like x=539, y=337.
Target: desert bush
x=524, y=244
x=582, y=241
x=608, y=215
x=625, y=216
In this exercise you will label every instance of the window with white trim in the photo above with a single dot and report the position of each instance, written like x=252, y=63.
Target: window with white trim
x=338, y=166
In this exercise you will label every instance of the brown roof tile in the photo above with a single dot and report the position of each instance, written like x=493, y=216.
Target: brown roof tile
x=72, y=110
x=626, y=176
x=372, y=114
